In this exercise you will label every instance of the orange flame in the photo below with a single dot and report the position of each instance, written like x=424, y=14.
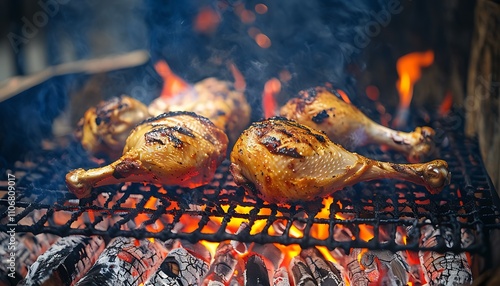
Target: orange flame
x=446, y=105
x=409, y=70
x=271, y=89
x=239, y=79
x=173, y=84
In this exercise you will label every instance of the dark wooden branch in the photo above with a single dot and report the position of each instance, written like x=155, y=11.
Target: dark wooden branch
x=483, y=86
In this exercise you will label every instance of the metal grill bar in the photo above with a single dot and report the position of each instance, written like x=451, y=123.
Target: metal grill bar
x=469, y=205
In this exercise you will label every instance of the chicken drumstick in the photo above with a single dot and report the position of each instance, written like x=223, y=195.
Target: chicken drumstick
x=175, y=148
x=289, y=162
x=218, y=100
x=345, y=124
x=103, y=129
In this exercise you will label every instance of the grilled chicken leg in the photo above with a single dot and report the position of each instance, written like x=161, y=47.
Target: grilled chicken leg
x=289, y=162
x=104, y=128
x=218, y=100
x=175, y=148
x=345, y=124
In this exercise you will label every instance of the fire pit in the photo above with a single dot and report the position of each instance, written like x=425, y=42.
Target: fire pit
x=384, y=231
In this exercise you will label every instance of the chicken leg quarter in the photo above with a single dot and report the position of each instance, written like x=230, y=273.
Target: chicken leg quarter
x=289, y=162
x=175, y=148
x=344, y=124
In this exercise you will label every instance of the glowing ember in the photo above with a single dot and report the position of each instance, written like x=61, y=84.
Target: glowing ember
x=372, y=92
x=446, y=105
x=344, y=96
x=263, y=41
x=409, y=70
x=269, y=104
x=246, y=16
x=261, y=8
x=206, y=21
x=172, y=84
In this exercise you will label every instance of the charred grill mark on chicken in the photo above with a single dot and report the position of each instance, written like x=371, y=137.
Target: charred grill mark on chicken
x=158, y=135
x=203, y=119
x=320, y=116
x=274, y=146
x=125, y=168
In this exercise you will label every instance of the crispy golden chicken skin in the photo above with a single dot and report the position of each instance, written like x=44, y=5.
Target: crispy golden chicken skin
x=345, y=124
x=175, y=148
x=215, y=99
x=104, y=129
x=289, y=162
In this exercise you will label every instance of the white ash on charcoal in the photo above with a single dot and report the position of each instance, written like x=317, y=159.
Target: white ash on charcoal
x=239, y=246
x=384, y=267
x=415, y=271
x=349, y=261
x=226, y=261
x=357, y=276
x=65, y=262
x=256, y=273
x=301, y=273
x=26, y=246
x=125, y=261
x=443, y=268
x=270, y=254
x=180, y=267
x=280, y=277
x=323, y=271
x=468, y=237
x=199, y=249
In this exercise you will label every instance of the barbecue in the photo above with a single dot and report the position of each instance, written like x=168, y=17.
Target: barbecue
x=166, y=166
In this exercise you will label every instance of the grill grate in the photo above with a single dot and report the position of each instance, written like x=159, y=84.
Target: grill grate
x=467, y=209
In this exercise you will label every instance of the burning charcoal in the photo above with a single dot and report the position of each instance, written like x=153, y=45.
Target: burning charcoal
x=27, y=248
x=198, y=248
x=125, y=261
x=256, y=272
x=385, y=267
x=443, y=268
x=302, y=275
x=66, y=261
x=271, y=255
x=468, y=237
x=239, y=246
x=280, y=277
x=357, y=276
x=224, y=265
x=324, y=272
x=180, y=267
x=411, y=257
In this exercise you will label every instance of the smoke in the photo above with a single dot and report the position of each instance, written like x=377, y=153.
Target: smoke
x=314, y=40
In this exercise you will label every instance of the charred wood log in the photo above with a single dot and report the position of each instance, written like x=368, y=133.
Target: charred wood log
x=223, y=266
x=179, y=268
x=255, y=272
x=443, y=268
x=65, y=262
x=384, y=267
x=322, y=270
x=125, y=261
x=301, y=273
x=280, y=277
